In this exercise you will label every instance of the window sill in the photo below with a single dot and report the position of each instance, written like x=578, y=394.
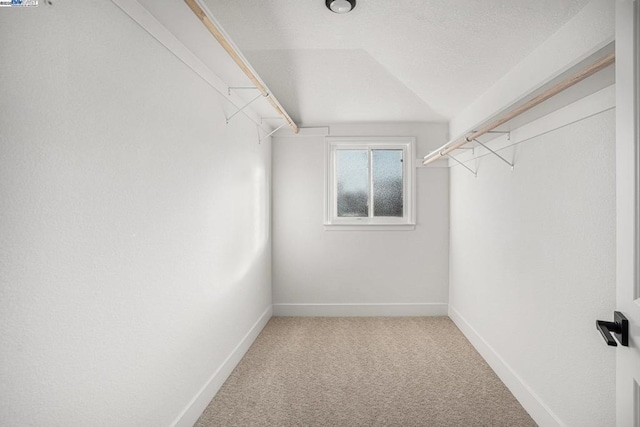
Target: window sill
x=369, y=227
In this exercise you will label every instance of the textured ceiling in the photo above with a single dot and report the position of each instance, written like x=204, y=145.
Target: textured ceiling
x=402, y=60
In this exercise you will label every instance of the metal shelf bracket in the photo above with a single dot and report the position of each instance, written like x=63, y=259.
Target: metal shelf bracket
x=244, y=106
x=273, y=131
x=496, y=154
x=461, y=164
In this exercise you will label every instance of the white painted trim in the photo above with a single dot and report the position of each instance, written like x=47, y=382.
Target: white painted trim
x=589, y=106
x=333, y=144
x=369, y=227
x=303, y=131
x=529, y=400
x=361, y=310
x=151, y=25
x=628, y=208
x=198, y=404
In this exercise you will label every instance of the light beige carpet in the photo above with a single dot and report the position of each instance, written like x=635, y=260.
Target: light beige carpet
x=418, y=371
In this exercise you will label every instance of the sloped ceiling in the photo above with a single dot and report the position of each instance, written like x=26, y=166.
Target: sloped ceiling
x=387, y=60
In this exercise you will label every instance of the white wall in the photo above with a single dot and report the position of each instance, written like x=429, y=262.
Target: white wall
x=318, y=272
x=134, y=245
x=533, y=250
x=533, y=267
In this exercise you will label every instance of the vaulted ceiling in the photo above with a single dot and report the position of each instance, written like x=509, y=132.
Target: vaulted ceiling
x=387, y=60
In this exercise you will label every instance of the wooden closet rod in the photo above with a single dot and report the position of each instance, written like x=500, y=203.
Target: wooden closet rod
x=237, y=57
x=567, y=83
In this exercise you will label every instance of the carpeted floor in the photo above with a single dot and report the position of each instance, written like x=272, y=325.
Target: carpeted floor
x=418, y=371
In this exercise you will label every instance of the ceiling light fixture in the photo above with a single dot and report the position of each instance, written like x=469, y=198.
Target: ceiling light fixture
x=340, y=6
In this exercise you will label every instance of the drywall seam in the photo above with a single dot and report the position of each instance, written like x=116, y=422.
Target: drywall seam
x=361, y=310
x=529, y=400
x=589, y=106
x=151, y=25
x=198, y=404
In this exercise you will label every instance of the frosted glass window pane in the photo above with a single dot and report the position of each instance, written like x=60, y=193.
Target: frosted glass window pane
x=387, y=183
x=352, y=170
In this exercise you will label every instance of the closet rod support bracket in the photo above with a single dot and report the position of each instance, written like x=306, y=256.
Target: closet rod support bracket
x=475, y=174
x=496, y=154
x=273, y=131
x=243, y=107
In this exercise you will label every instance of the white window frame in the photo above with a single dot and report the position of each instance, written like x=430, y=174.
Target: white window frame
x=331, y=219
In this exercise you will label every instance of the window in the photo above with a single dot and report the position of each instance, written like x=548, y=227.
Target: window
x=370, y=183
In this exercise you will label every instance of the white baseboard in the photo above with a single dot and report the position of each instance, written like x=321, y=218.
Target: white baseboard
x=199, y=403
x=529, y=400
x=360, y=310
